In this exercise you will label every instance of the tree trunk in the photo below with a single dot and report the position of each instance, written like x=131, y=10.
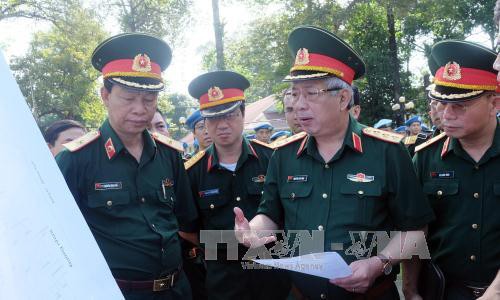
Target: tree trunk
x=393, y=52
x=219, y=35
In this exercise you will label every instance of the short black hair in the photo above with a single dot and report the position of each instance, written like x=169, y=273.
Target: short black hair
x=52, y=132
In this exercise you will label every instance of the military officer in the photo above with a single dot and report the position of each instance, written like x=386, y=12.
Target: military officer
x=459, y=169
x=280, y=135
x=384, y=124
x=339, y=177
x=131, y=186
x=159, y=124
x=415, y=135
x=196, y=124
x=290, y=118
x=231, y=172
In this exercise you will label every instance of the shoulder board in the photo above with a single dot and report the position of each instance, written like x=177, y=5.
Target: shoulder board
x=82, y=141
x=262, y=143
x=288, y=140
x=431, y=141
x=383, y=135
x=193, y=160
x=165, y=140
x=410, y=140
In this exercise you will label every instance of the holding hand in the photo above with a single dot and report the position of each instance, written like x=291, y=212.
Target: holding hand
x=245, y=235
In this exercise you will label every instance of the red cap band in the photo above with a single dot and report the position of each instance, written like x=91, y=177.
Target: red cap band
x=126, y=68
x=216, y=96
x=452, y=75
x=323, y=63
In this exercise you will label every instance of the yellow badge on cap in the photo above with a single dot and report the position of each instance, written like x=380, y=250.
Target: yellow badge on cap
x=452, y=71
x=302, y=57
x=215, y=93
x=141, y=63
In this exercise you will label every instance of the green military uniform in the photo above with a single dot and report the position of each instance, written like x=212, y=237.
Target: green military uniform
x=217, y=190
x=465, y=195
x=413, y=141
x=363, y=188
x=134, y=209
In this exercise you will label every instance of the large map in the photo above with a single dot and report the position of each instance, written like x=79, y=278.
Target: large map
x=46, y=249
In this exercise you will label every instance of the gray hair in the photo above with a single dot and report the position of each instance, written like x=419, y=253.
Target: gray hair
x=496, y=12
x=334, y=83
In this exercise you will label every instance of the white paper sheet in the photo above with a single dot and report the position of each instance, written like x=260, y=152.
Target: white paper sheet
x=329, y=265
x=46, y=248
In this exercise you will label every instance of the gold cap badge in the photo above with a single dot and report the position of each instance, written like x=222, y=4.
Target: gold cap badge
x=141, y=63
x=214, y=94
x=302, y=57
x=452, y=71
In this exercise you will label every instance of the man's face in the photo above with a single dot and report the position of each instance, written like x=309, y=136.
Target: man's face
x=129, y=111
x=467, y=119
x=158, y=124
x=201, y=134
x=290, y=117
x=434, y=114
x=415, y=128
x=64, y=137
x=319, y=112
x=263, y=135
x=226, y=130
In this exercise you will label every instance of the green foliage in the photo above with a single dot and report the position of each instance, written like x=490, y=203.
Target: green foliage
x=55, y=75
x=177, y=106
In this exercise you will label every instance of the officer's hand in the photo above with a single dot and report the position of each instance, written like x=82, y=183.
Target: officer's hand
x=364, y=273
x=245, y=235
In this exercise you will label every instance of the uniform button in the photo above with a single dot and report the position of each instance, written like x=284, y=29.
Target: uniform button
x=262, y=192
x=326, y=167
x=439, y=193
x=238, y=198
x=476, y=195
x=153, y=225
x=325, y=196
x=143, y=200
x=322, y=296
x=292, y=195
x=162, y=250
x=476, y=167
x=473, y=258
x=360, y=192
x=320, y=227
x=109, y=203
x=234, y=174
x=212, y=206
x=475, y=226
x=172, y=199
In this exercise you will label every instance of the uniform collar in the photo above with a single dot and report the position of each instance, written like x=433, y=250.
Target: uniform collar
x=247, y=151
x=352, y=140
x=453, y=145
x=113, y=145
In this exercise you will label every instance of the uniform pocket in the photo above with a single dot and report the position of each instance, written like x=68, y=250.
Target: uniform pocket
x=108, y=199
x=293, y=195
x=366, y=205
x=439, y=193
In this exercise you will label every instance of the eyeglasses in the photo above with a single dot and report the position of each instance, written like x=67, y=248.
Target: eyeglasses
x=311, y=94
x=227, y=117
x=457, y=108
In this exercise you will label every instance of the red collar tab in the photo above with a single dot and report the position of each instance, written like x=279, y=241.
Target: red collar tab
x=356, y=140
x=445, y=147
x=453, y=75
x=305, y=61
x=110, y=148
x=217, y=96
x=140, y=66
x=302, y=146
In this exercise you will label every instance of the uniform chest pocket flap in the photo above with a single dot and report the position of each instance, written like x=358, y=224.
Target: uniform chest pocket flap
x=371, y=189
x=212, y=201
x=293, y=191
x=440, y=189
x=108, y=199
x=496, y=189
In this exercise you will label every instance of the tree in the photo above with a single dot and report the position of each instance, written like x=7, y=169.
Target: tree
x=56, y=76
x=175, y=107
x=161, y=18
x=219, y=36
x=50, y=10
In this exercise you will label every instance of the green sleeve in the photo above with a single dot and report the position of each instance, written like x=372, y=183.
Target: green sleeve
x=407, y=203
x=185, y=209
x=270, y=204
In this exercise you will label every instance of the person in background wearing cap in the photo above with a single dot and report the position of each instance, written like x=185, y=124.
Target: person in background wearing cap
x=158, y=124
x=231, y=172
x=435, y=116
x=415, y=135
x=384, y=124
x=354, y=106
x=196, y=124
x=62, y=132
x=401, y=130
x=280, y=135
x=130, y=185
x=263, y=132
x=459, y=169
x=291, y=119
x=339, y=177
